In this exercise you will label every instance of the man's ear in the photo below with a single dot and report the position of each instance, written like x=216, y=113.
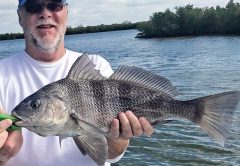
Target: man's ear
x=19, y=17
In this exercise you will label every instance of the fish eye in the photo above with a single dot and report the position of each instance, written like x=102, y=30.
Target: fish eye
x=35, y=104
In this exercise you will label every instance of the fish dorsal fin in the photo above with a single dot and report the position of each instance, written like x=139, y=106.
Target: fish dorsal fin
x=83, y=68
x=144, y=78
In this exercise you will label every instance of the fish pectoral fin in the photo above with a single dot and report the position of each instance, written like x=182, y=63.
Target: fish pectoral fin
x=85, y=126
x=95, y=145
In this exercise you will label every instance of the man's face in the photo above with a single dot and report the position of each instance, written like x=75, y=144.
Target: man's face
x=43, y=28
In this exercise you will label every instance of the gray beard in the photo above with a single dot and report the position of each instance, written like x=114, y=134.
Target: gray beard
x=41, y=44
x=47, y=47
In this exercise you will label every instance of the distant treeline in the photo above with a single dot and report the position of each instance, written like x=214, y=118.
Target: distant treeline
x=188, y=21
x=11, y=36
x=80, y=30
x=101, y=28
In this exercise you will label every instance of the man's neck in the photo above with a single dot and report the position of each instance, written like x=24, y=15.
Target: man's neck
x=44, y=56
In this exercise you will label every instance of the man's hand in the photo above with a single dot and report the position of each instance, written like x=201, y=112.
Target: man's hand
x=10, y=142
x=11, y=146
x=4, y=124
x=130, y=126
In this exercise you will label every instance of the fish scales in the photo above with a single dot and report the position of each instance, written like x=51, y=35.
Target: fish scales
x=97, y=102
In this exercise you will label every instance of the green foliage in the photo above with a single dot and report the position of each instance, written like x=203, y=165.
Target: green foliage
x=101, y=28
x=11, y=36
x=193, y=21
x=80, y=30
x=164, y=23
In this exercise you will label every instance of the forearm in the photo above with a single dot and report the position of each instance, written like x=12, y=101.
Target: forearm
x=116, y=147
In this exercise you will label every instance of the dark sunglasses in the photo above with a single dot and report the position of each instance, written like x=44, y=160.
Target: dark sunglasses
x=33, y=7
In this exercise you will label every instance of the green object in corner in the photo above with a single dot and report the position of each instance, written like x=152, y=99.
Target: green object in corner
x=13, y=119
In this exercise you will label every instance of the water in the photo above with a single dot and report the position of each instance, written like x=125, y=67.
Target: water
x=197, y=66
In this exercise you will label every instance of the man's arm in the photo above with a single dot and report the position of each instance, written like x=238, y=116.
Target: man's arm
x=131, y=126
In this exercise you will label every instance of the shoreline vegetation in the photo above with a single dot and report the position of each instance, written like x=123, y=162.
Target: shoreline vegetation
x=190, y=21
x=185, y=21
x=126, y=25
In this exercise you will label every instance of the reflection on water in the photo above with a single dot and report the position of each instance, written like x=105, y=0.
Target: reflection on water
x=197, y=66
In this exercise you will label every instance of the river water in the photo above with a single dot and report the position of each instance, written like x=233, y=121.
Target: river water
x=197, y=66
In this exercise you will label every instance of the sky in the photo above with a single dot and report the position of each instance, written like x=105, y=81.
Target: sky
x=96, y=12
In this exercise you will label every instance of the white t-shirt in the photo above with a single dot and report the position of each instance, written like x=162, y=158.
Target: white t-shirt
x=20, y=76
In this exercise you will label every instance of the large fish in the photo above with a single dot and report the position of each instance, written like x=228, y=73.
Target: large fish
x=83, y=105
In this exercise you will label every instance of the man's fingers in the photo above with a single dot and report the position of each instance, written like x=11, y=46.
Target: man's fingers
x=134, y=123
x=11, y=146
x=3, y=138
x=147, y=127
x=15, y=137
x=128, y=125
x=4, y=124
x=114, y=130
x=14, y=142
x=18, y=146
x=126, y=132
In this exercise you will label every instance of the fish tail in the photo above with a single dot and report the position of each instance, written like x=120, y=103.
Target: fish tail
x=215, y=113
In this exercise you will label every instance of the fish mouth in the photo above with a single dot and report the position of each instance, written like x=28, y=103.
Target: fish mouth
x=21, y=122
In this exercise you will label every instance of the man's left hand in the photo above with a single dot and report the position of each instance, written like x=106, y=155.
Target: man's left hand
x=131, y=126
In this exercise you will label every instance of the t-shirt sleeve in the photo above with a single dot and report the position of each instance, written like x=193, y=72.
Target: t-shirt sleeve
x=116, y=159
x=102, y=64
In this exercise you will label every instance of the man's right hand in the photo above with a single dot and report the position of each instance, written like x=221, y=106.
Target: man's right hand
x=4, y=124
x=10, y=142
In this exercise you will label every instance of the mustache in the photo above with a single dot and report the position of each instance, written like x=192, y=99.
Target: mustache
x=45, y=22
